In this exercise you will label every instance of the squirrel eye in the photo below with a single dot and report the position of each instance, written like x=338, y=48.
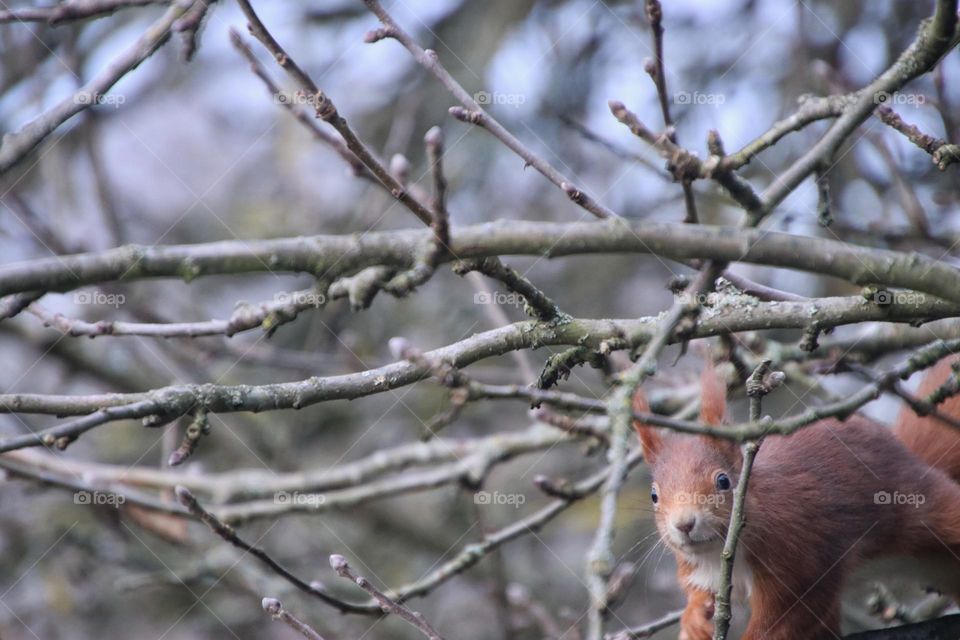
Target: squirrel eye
x=723, y=482
x=653, y=495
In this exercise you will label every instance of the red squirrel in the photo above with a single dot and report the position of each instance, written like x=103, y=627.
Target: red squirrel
x=821, y=502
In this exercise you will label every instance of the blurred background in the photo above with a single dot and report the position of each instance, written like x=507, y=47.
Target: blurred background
x=200, y=151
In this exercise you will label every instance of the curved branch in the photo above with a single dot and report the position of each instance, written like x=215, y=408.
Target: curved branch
x=169, y=402
x=327, y=256
x=598, y=334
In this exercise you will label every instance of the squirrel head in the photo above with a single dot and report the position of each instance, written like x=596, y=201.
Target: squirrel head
x=693, y=476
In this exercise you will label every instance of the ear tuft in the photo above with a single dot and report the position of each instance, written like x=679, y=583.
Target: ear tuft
x=713, y=395
x=650, y=439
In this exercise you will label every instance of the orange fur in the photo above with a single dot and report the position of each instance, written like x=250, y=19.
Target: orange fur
x=696, y=621
x=822, y=501
x=713, y=395
x=937, y=443
x=649, y=439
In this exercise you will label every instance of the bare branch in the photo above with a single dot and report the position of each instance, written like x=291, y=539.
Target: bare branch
x=329, y=256
x=268, y=316
x=415, y=618
x=168, y=403
x=942, y=153
x=291, y=105
x=655, y=69
x=276, y=610
x=759, y=384
x=537, y=302
x=229, y=535
x=17, y=145
x=327, y=111
x=189, y=27
x=72, y=10
x=473, y=113
x=936, y=37
x=647, y=630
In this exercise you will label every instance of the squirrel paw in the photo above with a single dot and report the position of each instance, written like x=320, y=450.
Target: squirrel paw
x=695, y=626
x=697, y=633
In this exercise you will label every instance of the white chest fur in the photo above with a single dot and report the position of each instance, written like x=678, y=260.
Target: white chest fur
x=706, y=575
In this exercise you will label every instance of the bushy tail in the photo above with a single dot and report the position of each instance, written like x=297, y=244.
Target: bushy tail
x=936, y=442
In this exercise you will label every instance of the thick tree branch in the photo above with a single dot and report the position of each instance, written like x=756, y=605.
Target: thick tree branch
x=600, y=335
x=330, y=256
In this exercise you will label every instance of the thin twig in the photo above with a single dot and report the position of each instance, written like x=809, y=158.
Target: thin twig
x=12, y=305
x=760, y=383
x=473, y=113
x=227, y=533
x=656, y=71
x=327, y=111
x=285, y=307
x=189, y=27
x=473, y=553
x=290, y=104
x=539, y=305
x=276, y=610
x=647, y=630
x=685, y=165
x=415, y=618
x=72, y=10
x=941, y=152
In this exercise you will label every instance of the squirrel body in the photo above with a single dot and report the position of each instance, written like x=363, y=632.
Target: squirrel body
x=823, y=503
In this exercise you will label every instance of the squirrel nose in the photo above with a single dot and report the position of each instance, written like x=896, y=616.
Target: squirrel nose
x=686, y=525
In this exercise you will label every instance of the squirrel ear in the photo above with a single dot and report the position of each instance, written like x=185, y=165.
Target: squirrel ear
x=650, y=440
x=713, y=395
